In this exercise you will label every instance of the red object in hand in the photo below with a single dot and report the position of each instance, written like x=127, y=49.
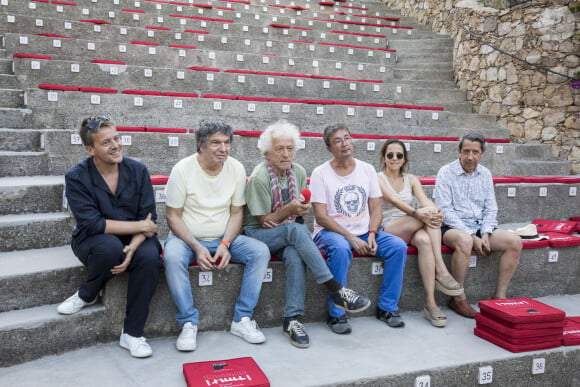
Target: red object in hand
x=305, y=195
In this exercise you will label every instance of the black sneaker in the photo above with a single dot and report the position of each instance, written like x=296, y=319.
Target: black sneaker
x=296, y=332
x=349, y=300
x=393, y=319
x=338, y=325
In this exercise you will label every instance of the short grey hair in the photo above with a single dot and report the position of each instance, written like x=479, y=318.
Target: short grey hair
x=279, y=129
x=331, y=129
x=473, y=136
x=208, y=127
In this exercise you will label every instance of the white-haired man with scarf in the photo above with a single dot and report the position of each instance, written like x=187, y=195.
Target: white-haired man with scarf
x=274, y=214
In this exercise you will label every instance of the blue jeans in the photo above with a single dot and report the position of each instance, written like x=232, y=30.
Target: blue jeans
x=292, y=242
x=392, y=249
x=178, y=255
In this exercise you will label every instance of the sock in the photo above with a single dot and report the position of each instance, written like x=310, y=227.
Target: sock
x=332, y=285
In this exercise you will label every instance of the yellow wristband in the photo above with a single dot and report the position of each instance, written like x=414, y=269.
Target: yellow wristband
x=225, y=243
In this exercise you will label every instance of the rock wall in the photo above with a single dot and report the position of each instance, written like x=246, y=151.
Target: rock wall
x=536, y=105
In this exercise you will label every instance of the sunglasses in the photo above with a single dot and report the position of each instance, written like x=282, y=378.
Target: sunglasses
x=400, y=156
x=96, y=122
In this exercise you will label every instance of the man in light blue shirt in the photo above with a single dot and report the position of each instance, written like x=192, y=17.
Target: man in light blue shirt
x=464, y=191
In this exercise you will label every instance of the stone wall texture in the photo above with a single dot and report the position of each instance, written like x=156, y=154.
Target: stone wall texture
x=536, y=105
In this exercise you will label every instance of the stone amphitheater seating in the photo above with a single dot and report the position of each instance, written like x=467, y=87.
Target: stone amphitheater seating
x=158, y=67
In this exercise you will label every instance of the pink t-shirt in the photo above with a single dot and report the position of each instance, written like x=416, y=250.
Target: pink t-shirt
x=346, y=197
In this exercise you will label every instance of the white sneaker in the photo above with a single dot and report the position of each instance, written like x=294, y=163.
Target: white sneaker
x=248, y=330
x=136, y=345
x=186, y=340
x=73, y=304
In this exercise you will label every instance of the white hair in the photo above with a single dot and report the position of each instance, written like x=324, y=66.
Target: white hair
x=279, y=129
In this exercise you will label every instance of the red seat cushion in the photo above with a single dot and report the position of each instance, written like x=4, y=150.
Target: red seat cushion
x=33, y=56
x=186, y=95
x=538, y=179
x=131, y=128
x=159, y=179
x=108, y=61
x=535, y=244
x=559, y=226
x=165, y=130
x=142, y=92
x=562, y=240
x=506, y=179
x=567, y=179
x=58, y=87
x=427, y=180
x=219, y=96
x=98, y=90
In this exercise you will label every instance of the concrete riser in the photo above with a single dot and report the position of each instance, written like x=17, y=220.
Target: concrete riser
x=15, y=118
x=37, y=289
x=31, y=199
x=60, y=334
x=94, y=75
x=20, y=140
x=24, y=164
x=535, y=277
x=36, y=235
x=562, y=371
x=243, y=15
x=148, y=147
x=160, y=111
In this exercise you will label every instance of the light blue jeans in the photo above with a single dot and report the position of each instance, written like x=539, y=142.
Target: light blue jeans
x=392, y=249
x=178, y=255
x=293, y=243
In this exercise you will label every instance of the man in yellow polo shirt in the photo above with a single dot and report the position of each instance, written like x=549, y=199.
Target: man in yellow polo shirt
x=205, y=200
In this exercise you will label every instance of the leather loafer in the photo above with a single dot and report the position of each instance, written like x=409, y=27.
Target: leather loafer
x=462, y=308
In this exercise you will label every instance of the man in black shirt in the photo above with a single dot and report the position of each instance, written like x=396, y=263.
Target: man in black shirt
x=112, y=200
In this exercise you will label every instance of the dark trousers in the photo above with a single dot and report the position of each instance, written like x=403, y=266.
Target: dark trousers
x=100, y=253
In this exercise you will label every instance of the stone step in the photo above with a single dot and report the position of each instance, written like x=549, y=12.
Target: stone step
x=519, y=202
x=15, y=118
x=244, y=14
x=32, y=333
x=537, y=278
x=24, y=163
x=433, y=44
x=33, y=231
x=20, y=140
x=173, y=56
x=207, y=62
x=37, y=277
x=132, y=77
x=5, y=64
x=8, y=81
x=424, y=160
x=179, y=34
x=31, y=194
x=545, y=168
x=422, y=74
x=443, y=357
x=11, y=98
x=250, y=115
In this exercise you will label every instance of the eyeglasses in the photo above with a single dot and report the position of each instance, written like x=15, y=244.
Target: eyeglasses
x=400, y=156
x=96, y=122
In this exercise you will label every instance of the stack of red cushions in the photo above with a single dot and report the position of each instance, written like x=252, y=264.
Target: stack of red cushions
x=520, y=324
x=572, y=331
x=558, y=231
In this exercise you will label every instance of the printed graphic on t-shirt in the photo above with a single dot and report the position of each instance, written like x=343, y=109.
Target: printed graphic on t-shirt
x=350, y=202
